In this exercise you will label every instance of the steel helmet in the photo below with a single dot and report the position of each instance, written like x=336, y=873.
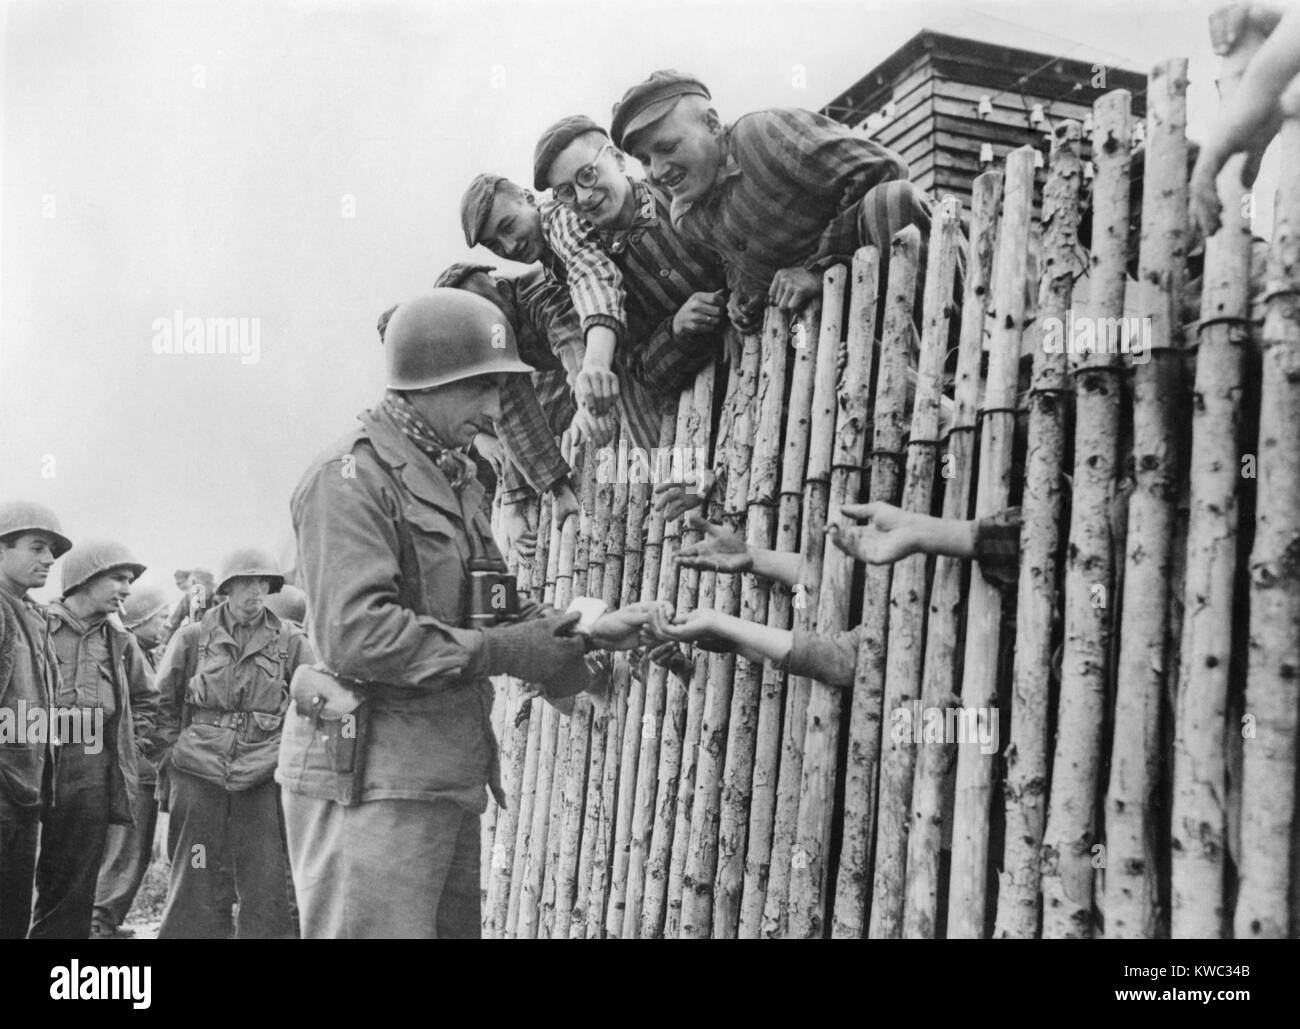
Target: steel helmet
x=253, y=564
x=445, y=336
x=142, y=605
x=19, y=516
x=95, y=557
x=290, y=604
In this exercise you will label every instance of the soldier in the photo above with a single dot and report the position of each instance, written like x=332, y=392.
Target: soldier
x=127, y=849
x=224, y=685
x=30, y=542
x=386, y=764
x=102, y=723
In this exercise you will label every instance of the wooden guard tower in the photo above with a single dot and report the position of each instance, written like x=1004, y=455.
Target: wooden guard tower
x=953, y=106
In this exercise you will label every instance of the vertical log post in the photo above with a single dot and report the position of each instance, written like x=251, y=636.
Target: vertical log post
x=742, y=728
x=967, y=899
x=1269, y=781
x=1144, y=655
x=938, y=683
x=1038, y=595
x=764, y=855
x=702, y=849
x=907, y=605
x=1068, y=858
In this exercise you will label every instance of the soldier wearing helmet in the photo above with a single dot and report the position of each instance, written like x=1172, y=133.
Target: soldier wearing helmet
x=387, y=761
x=103, y=721
x=224, y=685
x=127, y=849
x=31, y=540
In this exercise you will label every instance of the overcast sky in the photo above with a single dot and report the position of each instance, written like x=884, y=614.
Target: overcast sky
x=301, y=164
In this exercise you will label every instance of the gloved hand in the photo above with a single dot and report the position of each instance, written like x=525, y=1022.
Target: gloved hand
x=536, y=650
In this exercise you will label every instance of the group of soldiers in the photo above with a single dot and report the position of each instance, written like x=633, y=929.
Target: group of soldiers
x=108, y=715
x=331, y=785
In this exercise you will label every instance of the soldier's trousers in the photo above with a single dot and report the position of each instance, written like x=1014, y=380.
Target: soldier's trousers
x=127, y=849
x=210, y=826
x=384, y=869
x=73, y=830
x=19, y=829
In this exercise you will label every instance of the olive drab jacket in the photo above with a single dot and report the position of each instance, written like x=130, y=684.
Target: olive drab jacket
x=29, y=680
x=223, y=705
x=383, y=553
x=130, y=732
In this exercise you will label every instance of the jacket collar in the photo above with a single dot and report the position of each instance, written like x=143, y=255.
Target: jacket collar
x=59, y=614
x=728, y=170
x=647, y=214
x=419, y=475
x=221, y=625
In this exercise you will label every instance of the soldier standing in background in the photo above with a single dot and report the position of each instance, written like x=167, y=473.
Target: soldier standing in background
x=127, y=849
x=106, y=698
x=224, y=685
x=30, y=543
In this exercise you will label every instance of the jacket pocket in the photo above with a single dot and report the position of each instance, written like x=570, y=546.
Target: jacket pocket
x=204, y=751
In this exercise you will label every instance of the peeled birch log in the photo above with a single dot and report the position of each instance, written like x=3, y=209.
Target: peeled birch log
x=907, y=604
x=967, y=897
x=808, y=903
x=696, y=434
x=1144, y=658
x=658, y=582
x=1038, y=595
x=630, y=749
x=938, y=682
x=767, y=741
x=1269, y=782
x=564, y=540
x=1071, y=831
x=532, y=754
x=1200, y=818
x=760, y=526
x=702, y=848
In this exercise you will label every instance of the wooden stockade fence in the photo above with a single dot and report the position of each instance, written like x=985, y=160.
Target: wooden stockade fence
x=1118, y=754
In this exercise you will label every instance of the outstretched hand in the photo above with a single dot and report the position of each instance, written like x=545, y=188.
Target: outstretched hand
x=888, y=534
x=677, y=497
x=621, y=629
x=721, y=550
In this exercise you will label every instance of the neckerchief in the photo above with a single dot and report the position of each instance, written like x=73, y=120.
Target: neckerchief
x=454, y=464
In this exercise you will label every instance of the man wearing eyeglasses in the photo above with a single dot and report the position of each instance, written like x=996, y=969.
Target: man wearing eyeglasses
x=676, y=310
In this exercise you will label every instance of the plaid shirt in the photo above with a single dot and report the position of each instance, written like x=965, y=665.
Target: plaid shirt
x=786, y=195
x=577, y=260
x=537, y=409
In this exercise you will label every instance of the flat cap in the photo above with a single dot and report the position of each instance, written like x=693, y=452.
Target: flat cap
x=476, y=205
x=553, y=142
x=648, y=101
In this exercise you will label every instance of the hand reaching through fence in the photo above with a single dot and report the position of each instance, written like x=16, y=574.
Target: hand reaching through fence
x=675, y=498
x=722, y=550
x=598, y=430
x=1248, y=121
